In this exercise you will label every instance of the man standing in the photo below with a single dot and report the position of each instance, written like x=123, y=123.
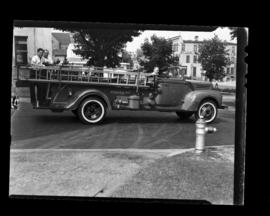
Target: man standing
x=47, y=60
x=37, y=60
x=155, y=72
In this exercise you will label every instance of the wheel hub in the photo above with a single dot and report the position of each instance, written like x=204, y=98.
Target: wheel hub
x=207, y=112
x=92, y=111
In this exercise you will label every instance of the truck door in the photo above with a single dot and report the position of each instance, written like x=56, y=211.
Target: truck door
x=172, y=92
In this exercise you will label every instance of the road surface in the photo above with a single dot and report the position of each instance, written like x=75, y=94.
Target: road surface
x=44, y=129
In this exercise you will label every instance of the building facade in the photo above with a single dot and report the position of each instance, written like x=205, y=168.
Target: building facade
x=26, y=41
x=188, y=53
x=60, y=43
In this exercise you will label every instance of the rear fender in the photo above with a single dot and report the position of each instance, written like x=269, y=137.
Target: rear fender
x=79, y=96
x=193, y=99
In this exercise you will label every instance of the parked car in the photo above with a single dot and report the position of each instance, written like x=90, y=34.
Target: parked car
x=91, y=97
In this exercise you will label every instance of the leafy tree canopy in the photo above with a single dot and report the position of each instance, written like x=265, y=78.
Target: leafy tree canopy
x=214, y=58
x=126, y=57
x=157, y=53
x=233, y=32
x=101, y=47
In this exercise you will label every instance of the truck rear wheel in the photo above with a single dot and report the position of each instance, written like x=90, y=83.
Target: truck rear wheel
x=92, y=111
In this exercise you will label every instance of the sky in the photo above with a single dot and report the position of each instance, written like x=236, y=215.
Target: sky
x=222, y=33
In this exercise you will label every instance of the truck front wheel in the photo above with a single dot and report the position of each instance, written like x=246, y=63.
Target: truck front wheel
x=92, y=111
x=207, y=110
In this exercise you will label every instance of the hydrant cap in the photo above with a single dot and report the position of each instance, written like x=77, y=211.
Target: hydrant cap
x=200, y=121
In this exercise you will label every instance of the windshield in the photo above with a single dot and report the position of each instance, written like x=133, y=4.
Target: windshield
x=175, y=72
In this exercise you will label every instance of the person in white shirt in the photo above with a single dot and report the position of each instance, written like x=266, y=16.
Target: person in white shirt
x=47, y=60
x=37, y=60
x=155, y=72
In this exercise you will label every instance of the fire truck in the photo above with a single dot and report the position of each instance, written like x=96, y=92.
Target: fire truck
x=90, y=92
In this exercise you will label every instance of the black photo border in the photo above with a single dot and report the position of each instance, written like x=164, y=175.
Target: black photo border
x=240, y=115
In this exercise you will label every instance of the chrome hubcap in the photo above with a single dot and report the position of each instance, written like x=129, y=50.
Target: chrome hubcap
x=92, y=111
x=207, y=112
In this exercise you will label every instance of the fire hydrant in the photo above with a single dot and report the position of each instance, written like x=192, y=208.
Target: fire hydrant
x=201, y=130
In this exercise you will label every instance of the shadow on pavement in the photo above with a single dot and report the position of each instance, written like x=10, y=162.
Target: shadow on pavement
x=58, y=119
x=145, y=120
x=43, y=125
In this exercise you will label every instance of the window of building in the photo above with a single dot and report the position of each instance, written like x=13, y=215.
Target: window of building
x=185, y=71
x=195, y=59
x=232, y=70
x=228, y=70
x=183, y=47
x=20, y=50
x=194, y=71
x=195, y=48
x=64, y=46
x=187, y=59
x=233, y=50
x=175, y=47
x=233, y=60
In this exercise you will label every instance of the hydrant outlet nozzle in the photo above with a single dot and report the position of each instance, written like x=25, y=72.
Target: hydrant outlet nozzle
x=210, y=129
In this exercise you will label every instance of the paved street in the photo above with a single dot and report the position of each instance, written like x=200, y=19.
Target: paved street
x=121, y=129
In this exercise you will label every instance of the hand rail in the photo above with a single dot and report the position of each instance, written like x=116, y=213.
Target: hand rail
x=82, y=69
x=84, y=75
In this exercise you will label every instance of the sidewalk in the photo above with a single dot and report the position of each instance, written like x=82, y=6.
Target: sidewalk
x=76, y=172
x=208, y=176
x=131, y=173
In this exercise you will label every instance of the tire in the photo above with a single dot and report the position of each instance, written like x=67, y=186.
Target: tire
x=184, y=115
x=210, y=108
x=91, y=111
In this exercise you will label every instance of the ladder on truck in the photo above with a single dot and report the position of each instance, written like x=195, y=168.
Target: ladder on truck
x=83, y=75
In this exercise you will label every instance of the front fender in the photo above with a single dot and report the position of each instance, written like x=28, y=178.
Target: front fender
x=79, y=96
x=193, y=99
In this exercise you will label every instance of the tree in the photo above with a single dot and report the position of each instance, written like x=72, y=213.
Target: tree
x=101, y=47
x=214, y=58
x=158, y=53
x=233, y=32
x=126, y=57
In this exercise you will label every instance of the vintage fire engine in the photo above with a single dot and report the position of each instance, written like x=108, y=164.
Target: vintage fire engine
x=90, y=93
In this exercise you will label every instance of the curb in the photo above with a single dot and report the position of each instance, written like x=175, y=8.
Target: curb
x=180, y=152
x=168, y=152
x=164, y=151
